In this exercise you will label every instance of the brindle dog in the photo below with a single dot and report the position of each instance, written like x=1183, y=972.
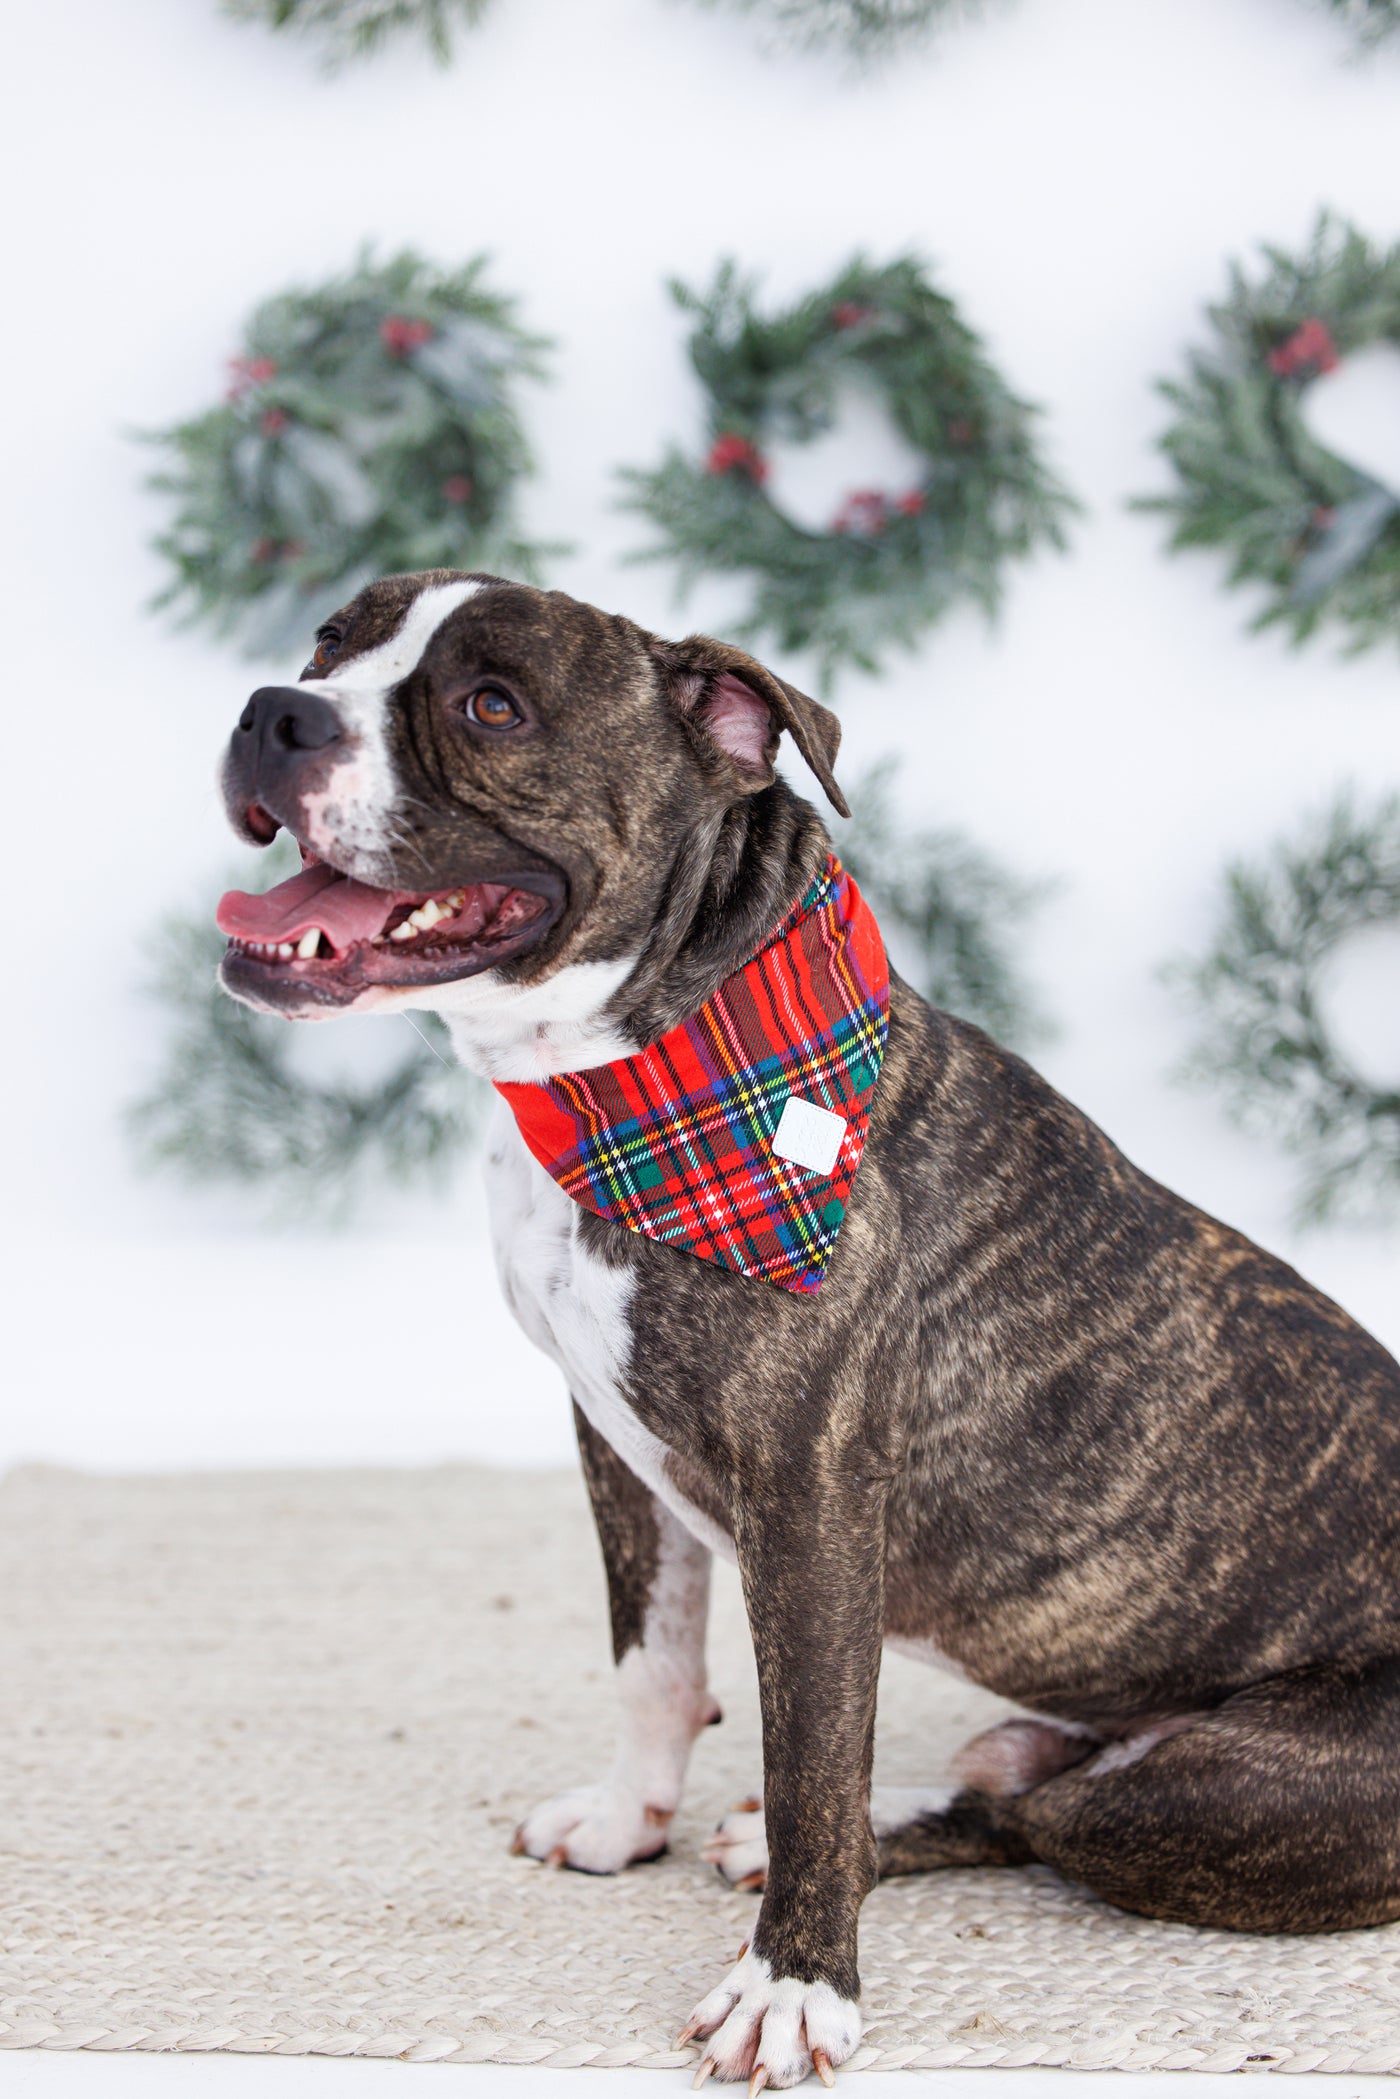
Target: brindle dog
x=1044, y=1422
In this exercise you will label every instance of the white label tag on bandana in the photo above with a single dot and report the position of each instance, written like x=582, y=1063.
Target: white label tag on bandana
x=808, y=1135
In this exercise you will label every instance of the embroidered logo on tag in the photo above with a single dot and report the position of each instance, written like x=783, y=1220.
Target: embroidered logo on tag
x=809, y=1136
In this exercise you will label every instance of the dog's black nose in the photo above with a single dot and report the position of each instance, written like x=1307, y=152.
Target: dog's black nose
x=282, y=718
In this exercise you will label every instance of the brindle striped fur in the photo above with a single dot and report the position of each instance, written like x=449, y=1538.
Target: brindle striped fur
x=1114, y=1460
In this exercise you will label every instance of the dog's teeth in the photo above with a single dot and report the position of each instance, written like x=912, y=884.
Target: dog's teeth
x=453, y=903
x=426, y=915
x=308, y=944
x=404, y=932
x=285, y=950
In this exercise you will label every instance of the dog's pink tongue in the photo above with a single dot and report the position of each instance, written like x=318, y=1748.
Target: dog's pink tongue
x=345, y=911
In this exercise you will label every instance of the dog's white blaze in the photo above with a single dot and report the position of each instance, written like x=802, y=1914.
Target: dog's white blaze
x=352, y=818
x=529, y=1032
x=575, y=1308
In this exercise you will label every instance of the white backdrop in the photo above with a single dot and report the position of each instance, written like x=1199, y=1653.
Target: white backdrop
x=1077, y=170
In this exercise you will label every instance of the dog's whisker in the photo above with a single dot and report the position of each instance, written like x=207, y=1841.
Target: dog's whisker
x=446, y=1062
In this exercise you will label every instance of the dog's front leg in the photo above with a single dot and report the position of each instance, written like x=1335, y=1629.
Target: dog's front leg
x=658, y=1591
x=811, y=1553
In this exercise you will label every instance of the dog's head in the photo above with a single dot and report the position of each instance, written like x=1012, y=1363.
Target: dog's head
x=485, y=777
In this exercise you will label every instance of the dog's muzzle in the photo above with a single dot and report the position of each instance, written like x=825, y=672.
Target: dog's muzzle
x=283, y=733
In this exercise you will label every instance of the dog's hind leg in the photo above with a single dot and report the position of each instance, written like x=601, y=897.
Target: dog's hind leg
x=916, y=1828
x=965, y=1829
x=919, y=1828
x=1277, y=1811
x=658, y=1591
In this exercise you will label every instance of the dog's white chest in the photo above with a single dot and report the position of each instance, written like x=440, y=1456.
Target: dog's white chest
x=575, y=1307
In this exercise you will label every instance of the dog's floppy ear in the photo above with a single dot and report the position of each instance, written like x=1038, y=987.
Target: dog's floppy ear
x=742, y=711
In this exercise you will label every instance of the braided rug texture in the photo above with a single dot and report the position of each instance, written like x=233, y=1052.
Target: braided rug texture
x=263, y=1741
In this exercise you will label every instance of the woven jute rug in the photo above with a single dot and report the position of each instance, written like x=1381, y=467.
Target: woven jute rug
x=264, y=1739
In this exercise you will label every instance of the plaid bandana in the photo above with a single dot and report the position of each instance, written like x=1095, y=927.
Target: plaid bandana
x=737, y=1135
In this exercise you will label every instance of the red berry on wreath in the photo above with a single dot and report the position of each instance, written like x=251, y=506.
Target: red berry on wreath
x=353, y=353
x=960, y=431
x=781, y=373
x=400, y=335
x=1250, y=478
x=731, y=453
x=865, y=511
x=1310, y=348
x=245, y=372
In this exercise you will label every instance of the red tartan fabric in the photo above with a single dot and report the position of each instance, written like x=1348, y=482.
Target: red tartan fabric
x=677, y=1142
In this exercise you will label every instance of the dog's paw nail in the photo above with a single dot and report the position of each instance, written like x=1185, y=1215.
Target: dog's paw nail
x=742, y=1951
x=746, y=1807
x=517, y=1842
x=557, y=1857
x=705, y=2071
x=713, y=1718
x=660, y=1817
x=821, y=2063
x=687, y=2034
x=758, y=2080
x=753, y=1882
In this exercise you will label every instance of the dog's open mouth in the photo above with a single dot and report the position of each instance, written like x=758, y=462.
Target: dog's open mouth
x=324, y=936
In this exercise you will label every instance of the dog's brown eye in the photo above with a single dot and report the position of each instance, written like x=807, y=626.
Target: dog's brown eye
x=326, y=647
x=493, y=709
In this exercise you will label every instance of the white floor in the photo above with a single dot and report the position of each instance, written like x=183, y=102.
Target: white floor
x=36, y=2075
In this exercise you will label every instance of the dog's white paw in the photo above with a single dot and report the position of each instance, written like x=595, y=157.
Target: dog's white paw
x=598, y=1829
x=772, y=2030
x=739, y=1846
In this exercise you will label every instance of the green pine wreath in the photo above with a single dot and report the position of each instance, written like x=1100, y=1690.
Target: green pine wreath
x=1261, y=995
x=348, y=29
x=949, y=912
x=369, y=427
x=229, y=1105
x=1320, y=537
x=1371, y=20
x=869, y=28
x=893, y=561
